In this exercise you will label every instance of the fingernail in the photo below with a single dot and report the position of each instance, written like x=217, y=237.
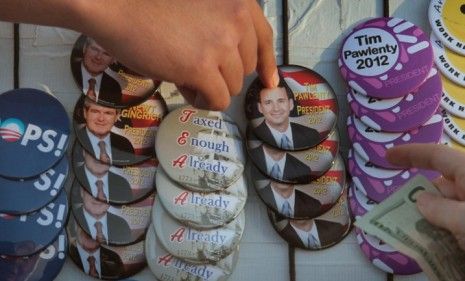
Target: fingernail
x=275, y=79
x=423, y=200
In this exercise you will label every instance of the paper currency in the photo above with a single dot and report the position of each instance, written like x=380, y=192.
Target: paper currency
x=398, y=222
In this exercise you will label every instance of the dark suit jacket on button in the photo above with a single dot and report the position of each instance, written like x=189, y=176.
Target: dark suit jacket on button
x=302, y=136
x=328, y=232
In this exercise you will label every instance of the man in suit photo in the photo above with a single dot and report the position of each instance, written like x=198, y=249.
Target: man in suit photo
x=107, y=146
x=288, y=201
x=96, y=177
x=89, y=72
x=103, y=226
x=276, y=129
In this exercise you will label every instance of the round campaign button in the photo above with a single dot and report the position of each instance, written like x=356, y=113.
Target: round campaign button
x=201, y=150
x=28, y=195
x=201, y=210
x=119, y=185
x=451, y=65
x=41, y=266
x=110, y=225
x=453, y=99
x=196, y=245
x=447, y=22
x=302, y=201
x=372, y=145
x=399, y=114
x=168, y=267
x=359, y=204
x=300, y=167
x=298, y=114
x=385, y=58
x=378, y=183
x=454, y=127
x=34, y=131
x=318, y=233
x=103, y=261
x=28, y=234
x=104, y=80
x=445, y=139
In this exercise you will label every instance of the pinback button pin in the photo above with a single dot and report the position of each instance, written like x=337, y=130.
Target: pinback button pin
x=372, y=145
x=23, y=196
x=34, y=131
x=450, y=64
x=454, y=127
x=453, y=99
x=201, y=210
x=305, y=118
x=295, y=167
x=168, y=267
x=41, y=266
x=109, y=224
x=195, y=245
x=28, y=234
x=315, y=234
x=126, y=185
x=302, y=201
x=103, y=261
x=446, y=19
x=104, y=80
x=445, y=139
x=399, y=114
x=201, y=150
x=385, y=58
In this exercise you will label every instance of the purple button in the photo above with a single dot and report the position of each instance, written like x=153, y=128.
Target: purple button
x=399, y=114
x=359, y=204
x=378, y=183
x=372, y=145
x=385, y=57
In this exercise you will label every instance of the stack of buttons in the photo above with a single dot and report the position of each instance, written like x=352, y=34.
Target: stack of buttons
x=115, y=121
x=198, y=217
x=394, y=95
x=448, y=40
x=293, y=143
x=34, y=131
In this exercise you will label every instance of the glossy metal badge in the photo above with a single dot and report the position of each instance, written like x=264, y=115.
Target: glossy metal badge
x=302, y=201
x=195, y=245
x=315, y=234
x=385, y=58
x=201, y=150
x=110, y=225
x=120, y=185
x=201, y=210
x=451, y=65
x=295, y=167
x=168, y=267
x=453, y=99
x=23, y=196
x=454, y=127
x=42, y=266
x=103, y=261
x=104, y=80
x=28, y=234
x=399, y=114
x=372, y=145
x=299, y=114
x=34, y=132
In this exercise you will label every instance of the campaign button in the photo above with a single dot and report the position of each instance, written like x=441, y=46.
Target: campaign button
x=302, y=201
x=385, y=58
x=196, y=245
x=109, y=224
x=446, y=18
x=198, y=209
x=451, y=65
x=378, y=183
x=201, y=150
x=359, y=204
x=103, y=261
x=445, y=139
x=23, y=196
x=28, y=234
x=453, y=99
x=318, y=233
x=34, y=131
x=299, y=114
x=372, y=145
x=399, y=114
x=42, y=266
x=165, y=266
x=295, y=167
x=454, y=127
x=120, y=185
x=105, y=80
